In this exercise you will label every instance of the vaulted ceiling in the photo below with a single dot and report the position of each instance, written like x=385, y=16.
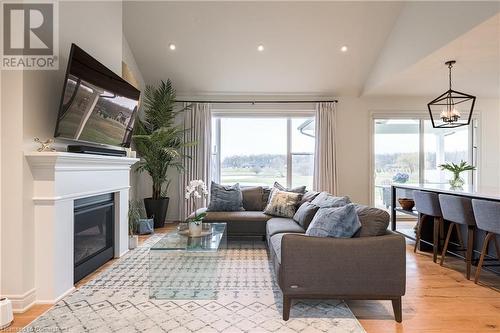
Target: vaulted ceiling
x=394, y=48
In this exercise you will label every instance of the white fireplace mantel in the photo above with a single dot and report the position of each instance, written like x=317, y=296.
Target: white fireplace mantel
x=60, y=178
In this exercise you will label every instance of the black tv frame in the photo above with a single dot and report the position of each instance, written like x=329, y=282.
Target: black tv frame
x=107, y=72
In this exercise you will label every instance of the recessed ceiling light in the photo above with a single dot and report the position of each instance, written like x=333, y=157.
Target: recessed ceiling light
x=260, y=48
x=172, y=46
x=344, y=48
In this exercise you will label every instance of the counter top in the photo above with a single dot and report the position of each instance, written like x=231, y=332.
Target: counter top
x=482, y=192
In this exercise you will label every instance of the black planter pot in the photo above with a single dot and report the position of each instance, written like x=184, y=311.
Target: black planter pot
x=157, y=209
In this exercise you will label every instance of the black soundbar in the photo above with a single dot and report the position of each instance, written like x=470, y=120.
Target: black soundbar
x=81, y=149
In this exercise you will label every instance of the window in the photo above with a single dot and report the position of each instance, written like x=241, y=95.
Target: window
x=262, y=150
x=411, y=150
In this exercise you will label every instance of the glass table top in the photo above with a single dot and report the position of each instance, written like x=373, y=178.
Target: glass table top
x=179, y=240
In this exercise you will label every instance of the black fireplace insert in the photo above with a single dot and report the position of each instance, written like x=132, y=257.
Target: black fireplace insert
x=93, y=233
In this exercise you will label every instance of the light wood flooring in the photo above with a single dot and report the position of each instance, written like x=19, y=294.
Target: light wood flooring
x=438, y=299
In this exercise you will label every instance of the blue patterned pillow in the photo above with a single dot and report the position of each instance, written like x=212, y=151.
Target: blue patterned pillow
x=325, y=199
x=338, y=222
x=225, y=198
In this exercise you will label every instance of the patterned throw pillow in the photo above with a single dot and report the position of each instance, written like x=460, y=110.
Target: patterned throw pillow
x=282, y=203
x=338, y=222
x=225, y=198
x=305, y=214
x=325, y=199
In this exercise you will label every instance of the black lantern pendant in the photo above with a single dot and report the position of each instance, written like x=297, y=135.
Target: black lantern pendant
x=453, y=108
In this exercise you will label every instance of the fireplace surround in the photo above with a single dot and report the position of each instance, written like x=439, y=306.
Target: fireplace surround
x=61, y=182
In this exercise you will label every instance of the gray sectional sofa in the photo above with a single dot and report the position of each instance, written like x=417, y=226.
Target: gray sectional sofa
x=371, y=265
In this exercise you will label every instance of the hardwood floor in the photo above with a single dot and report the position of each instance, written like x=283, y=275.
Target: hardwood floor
x=438, y=299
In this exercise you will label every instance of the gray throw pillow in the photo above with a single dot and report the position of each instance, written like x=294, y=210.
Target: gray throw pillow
x=324, y=199
x=305, y=214
x=252, y=198
x=374, y=221
x=282, y=203
x=298, y=189
x=338, y=222
x=225, y=198
x=308, y=196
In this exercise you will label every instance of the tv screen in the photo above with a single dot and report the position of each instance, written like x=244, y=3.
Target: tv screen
x=97, y=105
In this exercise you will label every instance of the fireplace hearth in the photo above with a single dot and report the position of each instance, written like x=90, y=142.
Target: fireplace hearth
x=93, y=233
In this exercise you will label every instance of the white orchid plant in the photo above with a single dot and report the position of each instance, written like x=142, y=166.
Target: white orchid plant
x=196, y=190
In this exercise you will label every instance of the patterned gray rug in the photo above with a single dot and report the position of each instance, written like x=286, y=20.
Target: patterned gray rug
x=237, y=293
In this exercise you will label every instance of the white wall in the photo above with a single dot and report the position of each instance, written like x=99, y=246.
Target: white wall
x=29, y=109
x=136, y=180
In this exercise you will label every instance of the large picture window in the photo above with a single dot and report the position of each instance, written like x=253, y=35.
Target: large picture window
x=262, y=150
x=411, y=150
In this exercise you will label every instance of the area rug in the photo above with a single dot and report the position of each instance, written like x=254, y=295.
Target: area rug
x=241, y=295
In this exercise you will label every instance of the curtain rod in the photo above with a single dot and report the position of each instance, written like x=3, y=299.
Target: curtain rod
x=256, y=102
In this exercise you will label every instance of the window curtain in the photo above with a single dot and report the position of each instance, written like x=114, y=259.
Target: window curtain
x=198, y=126
x=325, y=164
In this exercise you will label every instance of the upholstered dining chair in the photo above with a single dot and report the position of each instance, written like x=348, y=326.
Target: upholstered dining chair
x=427, y=205
x=458, y=211
x=487, y=214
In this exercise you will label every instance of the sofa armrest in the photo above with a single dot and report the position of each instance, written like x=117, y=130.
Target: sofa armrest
x=364, y=266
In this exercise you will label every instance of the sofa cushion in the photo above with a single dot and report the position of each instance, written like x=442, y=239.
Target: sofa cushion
x=338, y=222
x=374, y=221
x=225, y=198
x=305, y=214
x=252, y=198
x=241, y=216
x=278, y=225
x=324, y=199
x=283, y=204
x=298, y=189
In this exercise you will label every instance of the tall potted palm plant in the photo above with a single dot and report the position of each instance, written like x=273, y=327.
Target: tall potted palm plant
x=159, y=142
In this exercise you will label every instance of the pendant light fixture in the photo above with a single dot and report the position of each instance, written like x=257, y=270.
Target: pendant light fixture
x=452, y=108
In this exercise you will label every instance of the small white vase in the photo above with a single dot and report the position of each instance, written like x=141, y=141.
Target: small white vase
x=133, y=241
x=195, y=229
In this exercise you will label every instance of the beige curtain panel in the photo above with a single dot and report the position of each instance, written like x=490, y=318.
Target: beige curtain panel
x=198, y=124
x=325, y=166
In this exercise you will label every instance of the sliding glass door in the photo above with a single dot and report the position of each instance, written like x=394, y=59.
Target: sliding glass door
x=411, y=150
x=396, y=155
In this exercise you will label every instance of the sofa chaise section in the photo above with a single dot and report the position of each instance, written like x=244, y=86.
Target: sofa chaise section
x=341, y=268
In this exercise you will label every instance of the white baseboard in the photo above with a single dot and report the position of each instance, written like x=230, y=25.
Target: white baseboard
x=54, y=301
x=21, y=303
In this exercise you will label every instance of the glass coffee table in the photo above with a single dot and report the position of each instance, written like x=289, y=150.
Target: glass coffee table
x=184, y=267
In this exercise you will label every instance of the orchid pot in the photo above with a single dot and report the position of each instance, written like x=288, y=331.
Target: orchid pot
x=195, y=228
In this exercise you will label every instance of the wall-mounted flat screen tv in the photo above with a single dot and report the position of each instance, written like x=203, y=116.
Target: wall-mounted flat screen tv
x=97, y=106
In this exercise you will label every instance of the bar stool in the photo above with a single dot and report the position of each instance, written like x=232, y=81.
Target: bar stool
x=427, y=204
x=487, y=214
x=458, y=211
